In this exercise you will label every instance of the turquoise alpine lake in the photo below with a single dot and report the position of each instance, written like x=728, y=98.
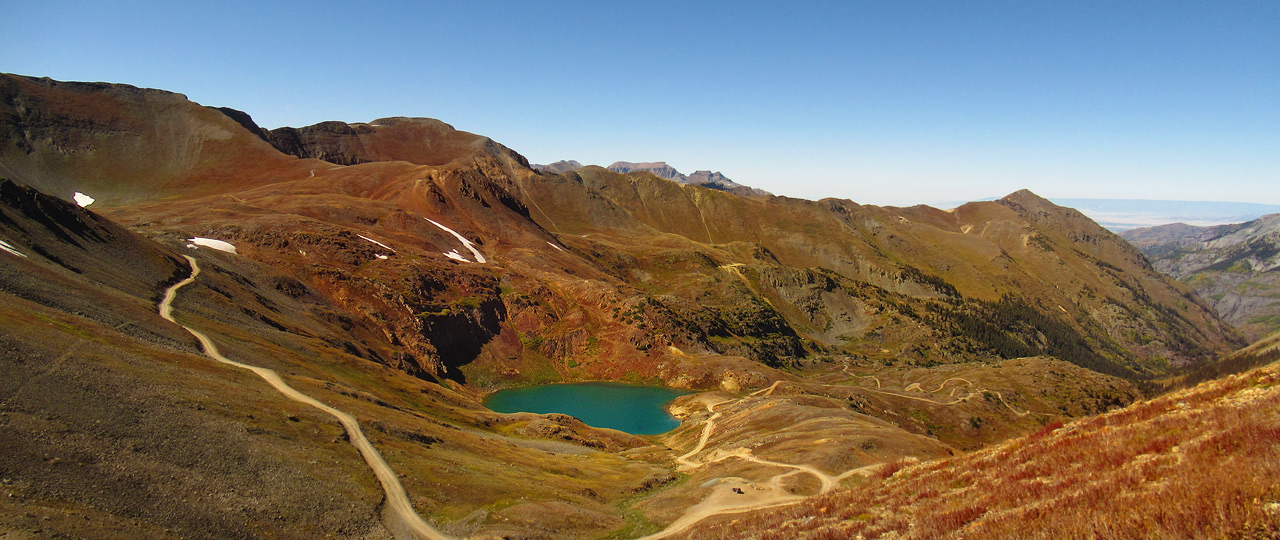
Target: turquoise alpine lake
x=624, y=407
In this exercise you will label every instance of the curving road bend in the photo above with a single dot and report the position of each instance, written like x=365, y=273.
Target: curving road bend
x=398, y=515
x=728, y=495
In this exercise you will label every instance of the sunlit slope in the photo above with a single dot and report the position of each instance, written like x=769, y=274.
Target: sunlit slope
x=843, y=276
x=124, y=144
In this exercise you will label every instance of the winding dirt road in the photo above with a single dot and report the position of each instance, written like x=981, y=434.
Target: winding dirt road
x=916, y=386
x=733, y=495
x=398, y=514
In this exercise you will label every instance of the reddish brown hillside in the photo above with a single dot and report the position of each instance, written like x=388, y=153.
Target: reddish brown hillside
x=916, y=282
x=424, y=141
x=122, y=144
x=594, y=274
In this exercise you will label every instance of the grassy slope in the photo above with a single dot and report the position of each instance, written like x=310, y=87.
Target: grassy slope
x=105, y=433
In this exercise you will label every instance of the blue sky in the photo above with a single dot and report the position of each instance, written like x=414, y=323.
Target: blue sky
x=879, y=102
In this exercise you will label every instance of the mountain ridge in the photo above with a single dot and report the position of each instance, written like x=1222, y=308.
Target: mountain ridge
x=713, y=180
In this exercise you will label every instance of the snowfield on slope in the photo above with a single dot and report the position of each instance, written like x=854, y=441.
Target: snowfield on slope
x=466, y=243
x=10, y=249
x=212, y=244
x=376, y=242
x=380, y=256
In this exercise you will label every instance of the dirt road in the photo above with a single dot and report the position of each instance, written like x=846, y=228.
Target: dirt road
x=398, y=515
x=733, y=495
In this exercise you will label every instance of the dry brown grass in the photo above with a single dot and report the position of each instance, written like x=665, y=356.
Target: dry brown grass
x=1201, y=463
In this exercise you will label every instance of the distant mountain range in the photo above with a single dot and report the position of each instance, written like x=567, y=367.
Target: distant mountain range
x=1233, y=267
x=1124, y=214
x=713, y=180
x=558, y=167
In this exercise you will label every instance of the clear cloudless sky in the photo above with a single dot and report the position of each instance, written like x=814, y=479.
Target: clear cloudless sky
x=885, y=102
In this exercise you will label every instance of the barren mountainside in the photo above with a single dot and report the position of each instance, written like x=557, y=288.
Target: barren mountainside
x=400, y=270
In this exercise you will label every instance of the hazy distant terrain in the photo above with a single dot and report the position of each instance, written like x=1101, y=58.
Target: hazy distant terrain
x=707, y=179
x=1236, y=267
x=1124, y=214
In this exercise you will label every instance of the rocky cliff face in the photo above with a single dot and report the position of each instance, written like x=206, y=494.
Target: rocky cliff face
x=1236, y=268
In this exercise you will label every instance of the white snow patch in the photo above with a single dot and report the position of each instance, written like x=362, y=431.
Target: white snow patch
x=382, y=257
x=469, y=245
x=555, y=246
x=375, y=241
x=456, y=256
x=192, y=246
x=4, y=246
x=82, y=199
x=213, y=244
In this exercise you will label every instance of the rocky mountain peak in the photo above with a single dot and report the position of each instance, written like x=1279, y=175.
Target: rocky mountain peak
x=708, y=179
x=1027, y=199
x=422, y=141
x=659, y=168
x=562, y=166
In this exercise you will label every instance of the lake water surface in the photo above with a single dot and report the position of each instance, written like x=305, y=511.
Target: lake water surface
x=624, y=407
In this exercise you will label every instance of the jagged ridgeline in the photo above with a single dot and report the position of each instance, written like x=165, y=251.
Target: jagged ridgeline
x=590, y=273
